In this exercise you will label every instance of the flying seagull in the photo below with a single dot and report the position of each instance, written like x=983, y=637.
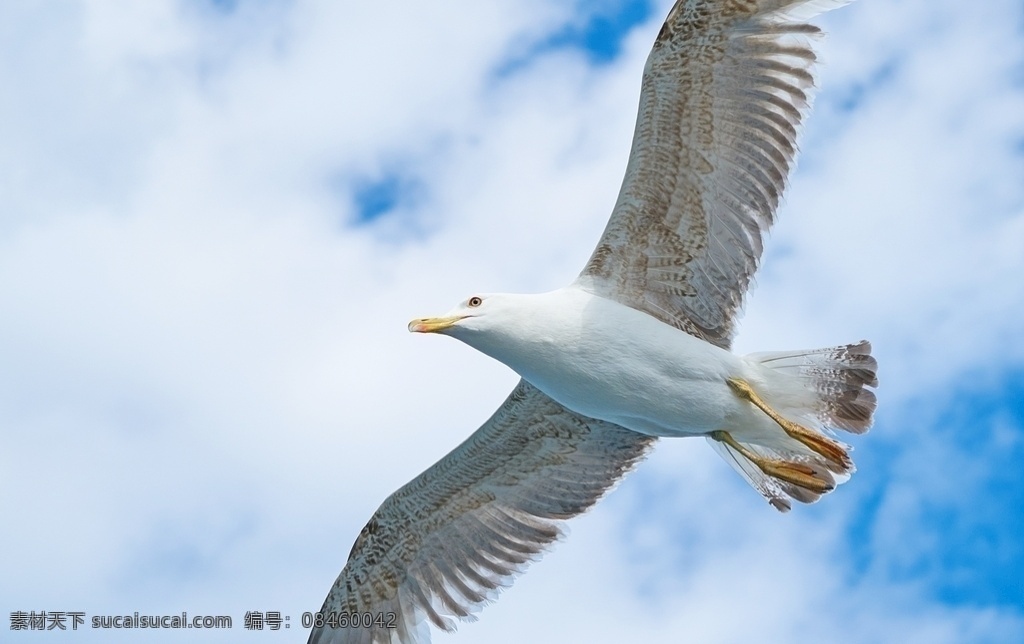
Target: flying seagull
x=636, y=348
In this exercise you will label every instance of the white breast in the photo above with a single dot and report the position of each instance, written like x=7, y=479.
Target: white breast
x=605, y=360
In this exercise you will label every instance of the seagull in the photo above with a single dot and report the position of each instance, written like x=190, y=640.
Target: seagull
x=636, y=348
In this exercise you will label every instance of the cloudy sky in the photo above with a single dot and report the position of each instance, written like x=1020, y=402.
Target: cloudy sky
x=217, y=217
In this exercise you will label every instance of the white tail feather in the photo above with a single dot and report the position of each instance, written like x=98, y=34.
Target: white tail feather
x=838, y=378
x=820, y=390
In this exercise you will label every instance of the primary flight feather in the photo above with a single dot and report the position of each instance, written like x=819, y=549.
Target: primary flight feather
x=636, y=348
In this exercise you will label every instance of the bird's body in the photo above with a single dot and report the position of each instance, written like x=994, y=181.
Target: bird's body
x=637, y=347
x=664, y=382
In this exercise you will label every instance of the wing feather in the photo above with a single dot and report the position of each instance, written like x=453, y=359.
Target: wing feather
x=723, y=95
x=445, y=543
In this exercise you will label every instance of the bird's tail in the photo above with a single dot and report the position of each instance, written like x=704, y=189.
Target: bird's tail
x=808, y=394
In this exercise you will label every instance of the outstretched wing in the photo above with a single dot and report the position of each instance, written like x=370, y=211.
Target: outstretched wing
x=723, y=95
x=446, y=542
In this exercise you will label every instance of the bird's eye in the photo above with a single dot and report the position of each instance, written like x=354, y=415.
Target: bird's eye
x=475, y=301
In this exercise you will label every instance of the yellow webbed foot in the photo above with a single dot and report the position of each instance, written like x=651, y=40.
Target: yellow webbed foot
x=820, y=444
x=801, y=475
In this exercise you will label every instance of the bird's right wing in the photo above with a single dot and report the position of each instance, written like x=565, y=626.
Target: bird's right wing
x=446, y=542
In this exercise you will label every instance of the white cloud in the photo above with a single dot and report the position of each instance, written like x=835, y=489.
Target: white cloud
x=206, y=386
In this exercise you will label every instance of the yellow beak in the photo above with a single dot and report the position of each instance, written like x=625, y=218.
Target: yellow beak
x=432, y=325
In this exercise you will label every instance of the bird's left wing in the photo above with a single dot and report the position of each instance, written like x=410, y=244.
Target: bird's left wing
x=446, y=542
x=724, y=92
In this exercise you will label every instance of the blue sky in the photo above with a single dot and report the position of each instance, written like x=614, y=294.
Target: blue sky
x=216, y=220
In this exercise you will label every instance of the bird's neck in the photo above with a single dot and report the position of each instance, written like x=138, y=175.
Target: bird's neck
x=539, y=329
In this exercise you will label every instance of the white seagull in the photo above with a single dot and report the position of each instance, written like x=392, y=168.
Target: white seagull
x=636, y=348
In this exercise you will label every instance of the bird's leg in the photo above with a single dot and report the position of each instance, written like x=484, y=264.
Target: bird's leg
x=796, y=473
x=819, y=444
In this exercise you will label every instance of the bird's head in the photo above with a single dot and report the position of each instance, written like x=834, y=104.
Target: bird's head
x=472, y=314
x=505, y=326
